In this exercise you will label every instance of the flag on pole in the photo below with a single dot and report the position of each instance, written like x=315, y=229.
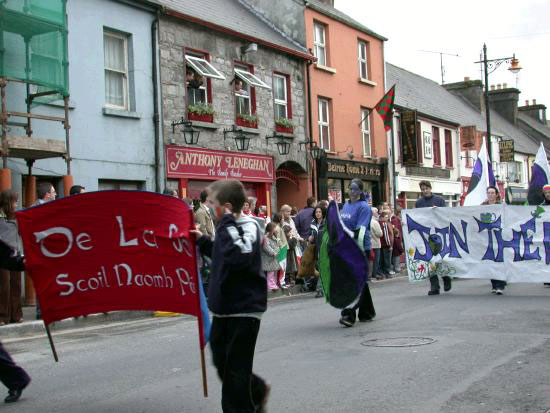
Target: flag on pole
x=385, y=108
x=482, y=177
x=540, y=176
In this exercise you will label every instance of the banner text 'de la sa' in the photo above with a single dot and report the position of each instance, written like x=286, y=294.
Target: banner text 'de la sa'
x=111, y=250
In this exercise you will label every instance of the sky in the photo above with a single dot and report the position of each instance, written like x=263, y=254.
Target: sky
x=508, y=27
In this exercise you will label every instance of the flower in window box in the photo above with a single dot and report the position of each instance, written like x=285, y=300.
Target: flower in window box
x=284, y=125
x=202, y=112
x=247, y=121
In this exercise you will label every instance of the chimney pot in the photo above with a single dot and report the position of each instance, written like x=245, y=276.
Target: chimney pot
x=499, y=86
x=527, y=102
x=534, y=101
x=504, y=85
x=492, y=87
x=466, y=78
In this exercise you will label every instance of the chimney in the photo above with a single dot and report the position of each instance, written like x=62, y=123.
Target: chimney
x=505, y=85
x=471, y=90
x=493, y=87
x=535, y=111
x=505, y=102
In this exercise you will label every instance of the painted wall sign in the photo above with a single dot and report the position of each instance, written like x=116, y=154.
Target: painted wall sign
x=210, y=164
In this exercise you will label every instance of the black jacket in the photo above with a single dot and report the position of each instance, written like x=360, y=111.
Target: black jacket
x=8, y=260
x=237, y=283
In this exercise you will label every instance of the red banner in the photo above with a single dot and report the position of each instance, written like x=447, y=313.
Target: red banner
x=208, y=164
x=111, y=250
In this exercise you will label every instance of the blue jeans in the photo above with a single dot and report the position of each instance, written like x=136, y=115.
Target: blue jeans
x=385, y=265
x=376, y=262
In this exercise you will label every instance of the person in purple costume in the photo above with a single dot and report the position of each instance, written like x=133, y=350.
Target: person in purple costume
x=356, y=215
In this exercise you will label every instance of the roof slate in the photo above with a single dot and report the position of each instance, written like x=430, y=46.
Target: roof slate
x=536, y=125
x=336, y=14
x=236, y=16
x=430, y=98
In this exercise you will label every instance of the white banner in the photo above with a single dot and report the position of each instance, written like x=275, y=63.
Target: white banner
x=502, y=242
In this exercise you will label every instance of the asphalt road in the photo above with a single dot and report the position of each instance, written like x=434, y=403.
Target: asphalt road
x=491, y=354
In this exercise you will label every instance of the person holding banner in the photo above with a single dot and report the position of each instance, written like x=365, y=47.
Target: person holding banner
x=11, y=375
x=356, y=215
x=237, y=297
x=493, y=198
x=425, y=201
x=546, y=195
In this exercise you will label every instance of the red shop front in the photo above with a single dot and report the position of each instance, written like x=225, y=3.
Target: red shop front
x=195, y=169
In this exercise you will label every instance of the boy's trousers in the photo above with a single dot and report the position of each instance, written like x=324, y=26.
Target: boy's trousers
x=233, y=341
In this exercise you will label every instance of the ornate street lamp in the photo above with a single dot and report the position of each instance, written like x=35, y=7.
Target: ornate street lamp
x=489, y=67
x=190, y=135
x=242, y=141
x=283, y=143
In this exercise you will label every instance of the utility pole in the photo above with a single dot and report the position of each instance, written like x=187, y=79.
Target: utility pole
x=441, y=61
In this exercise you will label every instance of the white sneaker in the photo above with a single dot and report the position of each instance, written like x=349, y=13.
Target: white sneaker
x=499, y=292
x=392, y=272
x=494, y=291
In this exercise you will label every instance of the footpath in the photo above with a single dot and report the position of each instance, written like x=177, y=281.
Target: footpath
x=32, y=327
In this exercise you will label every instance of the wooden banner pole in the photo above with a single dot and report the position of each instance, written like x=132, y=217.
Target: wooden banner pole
x=203, y=368
x=52, y=345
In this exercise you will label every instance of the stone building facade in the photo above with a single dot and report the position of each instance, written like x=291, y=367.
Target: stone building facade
x=286, y=180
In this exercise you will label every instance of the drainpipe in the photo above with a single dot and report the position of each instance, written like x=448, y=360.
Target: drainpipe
x=156, y=115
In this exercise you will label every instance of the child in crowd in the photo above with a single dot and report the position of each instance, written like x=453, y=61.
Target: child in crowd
x=386, y=244
x=237, y=298
x=270, y=250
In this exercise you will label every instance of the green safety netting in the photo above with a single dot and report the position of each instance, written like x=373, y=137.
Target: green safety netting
x=33, y=45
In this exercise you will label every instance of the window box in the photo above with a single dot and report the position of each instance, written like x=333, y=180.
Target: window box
x=204, y=117
x=284, y=125
x=201, y=112
x=247, y=122
x=284, y=129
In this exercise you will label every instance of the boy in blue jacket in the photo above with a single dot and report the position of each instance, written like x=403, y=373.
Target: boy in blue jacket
x=237, y=298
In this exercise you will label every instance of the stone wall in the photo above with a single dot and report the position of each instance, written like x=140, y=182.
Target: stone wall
x=224, y=50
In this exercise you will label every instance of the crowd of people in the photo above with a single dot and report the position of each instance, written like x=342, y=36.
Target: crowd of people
x=289, y=232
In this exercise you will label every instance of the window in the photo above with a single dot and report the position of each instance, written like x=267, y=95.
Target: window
x=251, y=79
x=515, y=174
x=319, y=44
x=203, y=67
x=365, y=132
x=198, y=95
x=324, y=124
x=362, y=57
x=448, y=149
x=116, y=70
x=243, y=95
x=281, y=96
x=436, y=148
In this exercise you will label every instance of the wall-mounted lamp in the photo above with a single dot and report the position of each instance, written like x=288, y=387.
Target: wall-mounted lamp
x=283, y=143
x=242, y=141
x=190, y=135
